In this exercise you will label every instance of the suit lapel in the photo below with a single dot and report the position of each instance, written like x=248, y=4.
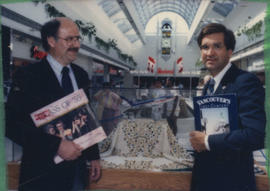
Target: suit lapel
x=225, y=83
x=52, y=83
x=77, y=76
x=227, y=80
x=81, y=77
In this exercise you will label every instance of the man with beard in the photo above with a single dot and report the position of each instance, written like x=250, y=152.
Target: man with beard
x=36, y=86
x=224, y=161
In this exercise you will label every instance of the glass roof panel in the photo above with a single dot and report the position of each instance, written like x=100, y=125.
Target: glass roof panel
x=148, y=8
x=109, y=7
x=225, y=7
x=114, y=12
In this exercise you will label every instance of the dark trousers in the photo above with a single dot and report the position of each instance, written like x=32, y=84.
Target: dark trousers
x=80, y=178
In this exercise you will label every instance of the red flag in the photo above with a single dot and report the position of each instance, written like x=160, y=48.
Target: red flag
x=152, y=60
x=179, y=59
x=180, y=69
x=151, y=63
x=180, y=64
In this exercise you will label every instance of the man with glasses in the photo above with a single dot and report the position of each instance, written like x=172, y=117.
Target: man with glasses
x=36, y=86
x=224, y=162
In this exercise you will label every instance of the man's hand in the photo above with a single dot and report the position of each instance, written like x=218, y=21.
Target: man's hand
x=197, y=141
x=68, y=150
x=95, y=170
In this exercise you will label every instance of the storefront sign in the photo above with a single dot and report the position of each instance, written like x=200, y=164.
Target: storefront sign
x=160, y=71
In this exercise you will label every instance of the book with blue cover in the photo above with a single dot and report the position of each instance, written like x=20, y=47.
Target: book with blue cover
x=215, y=114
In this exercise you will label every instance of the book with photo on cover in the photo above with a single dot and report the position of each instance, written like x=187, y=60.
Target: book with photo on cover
x=70, y=118
x=215, y=114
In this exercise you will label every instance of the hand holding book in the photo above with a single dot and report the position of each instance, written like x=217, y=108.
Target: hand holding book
x=60, y=118
x=69, y=150
x=197, y=141
x=215, y=114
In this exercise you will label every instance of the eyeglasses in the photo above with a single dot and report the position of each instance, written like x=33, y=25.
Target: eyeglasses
x=216, y=46
x=72, y=39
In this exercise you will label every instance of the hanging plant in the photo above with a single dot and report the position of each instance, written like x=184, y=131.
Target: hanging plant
x=112, y=43
x=38, y=1
x=53, y=12
x=102, y=44
x=79, y=23
x=91, y=28
x=130, y=59
x=86, y=28
x=90, y=37
x=123, y=57
x=253, y=32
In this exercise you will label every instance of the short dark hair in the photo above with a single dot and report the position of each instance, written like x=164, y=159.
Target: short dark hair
x=229, y=38
x=49, y=29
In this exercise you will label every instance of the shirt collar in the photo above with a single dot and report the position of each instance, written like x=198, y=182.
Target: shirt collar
x=56, y=66
x=220, y=75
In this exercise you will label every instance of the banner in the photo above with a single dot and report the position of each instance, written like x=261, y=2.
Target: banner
x=180, y=64
x=151, y=64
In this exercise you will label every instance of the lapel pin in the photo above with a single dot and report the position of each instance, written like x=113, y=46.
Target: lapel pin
x=223, y=87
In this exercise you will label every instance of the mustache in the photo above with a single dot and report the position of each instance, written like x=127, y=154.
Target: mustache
x=74, y=49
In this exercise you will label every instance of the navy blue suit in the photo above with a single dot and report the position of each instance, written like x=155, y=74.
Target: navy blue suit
x=229, y=164
x=34, y=87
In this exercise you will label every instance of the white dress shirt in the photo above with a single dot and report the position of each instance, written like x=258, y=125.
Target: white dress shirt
x=57, y=68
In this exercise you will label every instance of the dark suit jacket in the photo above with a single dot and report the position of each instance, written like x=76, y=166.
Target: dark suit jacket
x=229, y=164
x=34, y=87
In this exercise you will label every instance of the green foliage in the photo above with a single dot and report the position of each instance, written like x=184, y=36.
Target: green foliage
x=253, y=32
x=112, y=43
x=87, y=29
x=52, y=11
x=131, y=60
x=102, y=44
x=198, y=63
x=38, y=1
x=123, y=57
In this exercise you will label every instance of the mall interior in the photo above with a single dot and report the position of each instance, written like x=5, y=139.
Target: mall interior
x=137, y=46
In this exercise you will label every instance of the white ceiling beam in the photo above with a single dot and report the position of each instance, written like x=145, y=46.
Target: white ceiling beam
x=204, y=6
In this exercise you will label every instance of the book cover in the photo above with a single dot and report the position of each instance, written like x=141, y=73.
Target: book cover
x=72, y=119
x=216, y=113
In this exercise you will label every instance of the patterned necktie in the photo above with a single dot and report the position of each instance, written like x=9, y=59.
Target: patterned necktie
x=66, y=81
x=210, y=88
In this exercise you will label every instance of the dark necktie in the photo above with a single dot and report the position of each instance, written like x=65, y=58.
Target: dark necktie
x=66, y=81
x=210, y=88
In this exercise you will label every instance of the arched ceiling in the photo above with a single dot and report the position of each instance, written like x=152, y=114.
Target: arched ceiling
x=144, y=10
x=148, y=8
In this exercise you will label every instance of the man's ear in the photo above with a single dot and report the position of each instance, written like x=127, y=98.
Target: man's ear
x=51, y=41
